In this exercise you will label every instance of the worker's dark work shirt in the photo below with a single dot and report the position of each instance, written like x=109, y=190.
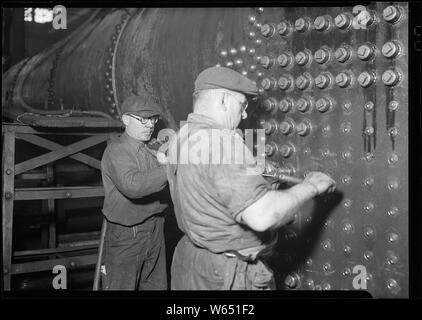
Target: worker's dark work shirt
x=133, y=179
x=209, y=198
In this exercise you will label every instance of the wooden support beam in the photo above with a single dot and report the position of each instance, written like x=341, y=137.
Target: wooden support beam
x=8, y=166
x=48, y=265
x=50, y=145
x=58, y=154
x=58, y=193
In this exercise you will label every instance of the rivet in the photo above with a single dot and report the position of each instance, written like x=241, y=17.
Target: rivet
x=326, y=286
x=347, y=251
x=369, y=106
x=347, y=228
x=346, y=179
x=369, y=233
x=369, y=130
x=223, y=53
x=392, y=237
x=229, y=64
x=368, y=255
x=68, y=195
x=393, y=105
x=327, y=267
x=251, y=35
x=9, y=171
x=238, y=62
x=393, y=286
x=393, y=132
x=327, y=245
x=392, y=259
x=394, y=211
x=242, y=48
x=251, y=19
x=368, y=207
x=233, y=51
x=346, y=155
x=346, y=127
x=393, y=185
x=258, y=42
x=347, y=271
x=347, y=106
x=347, y=203
x=252, y=68
x=368, y=182
x=8, y=195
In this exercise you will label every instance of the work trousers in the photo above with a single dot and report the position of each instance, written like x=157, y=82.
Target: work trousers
x=195, y=268
x=135, y=257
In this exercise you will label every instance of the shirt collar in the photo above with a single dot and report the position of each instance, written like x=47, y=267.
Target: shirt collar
x=137, y=144
x=196, y=118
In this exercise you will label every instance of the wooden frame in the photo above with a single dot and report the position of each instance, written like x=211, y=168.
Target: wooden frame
x=12, y=132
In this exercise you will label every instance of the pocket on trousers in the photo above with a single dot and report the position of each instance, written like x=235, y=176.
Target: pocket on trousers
x=210, y=271
x=262, y=277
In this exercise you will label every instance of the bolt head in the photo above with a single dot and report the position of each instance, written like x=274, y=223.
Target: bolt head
x=365, y=52
x=342, y=54
x=258, y=42
x=9, y=171
x=301, y=25
x=391, y=14
x=321, y=56
x=321, y=23
x=365, y=79
x=390, y=77
x=342, y=21
x=283, y=28
x=301, y=58
x=390, y=49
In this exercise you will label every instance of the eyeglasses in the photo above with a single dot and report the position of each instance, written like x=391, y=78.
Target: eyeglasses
x=153, y=120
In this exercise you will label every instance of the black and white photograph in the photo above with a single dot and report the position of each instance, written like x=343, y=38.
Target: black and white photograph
x=206, y=149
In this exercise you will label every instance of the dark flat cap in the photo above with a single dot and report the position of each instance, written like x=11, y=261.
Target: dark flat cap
x=141, y=105
x=225, y=78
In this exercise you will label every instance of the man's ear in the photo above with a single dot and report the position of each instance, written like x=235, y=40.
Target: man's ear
x=125, y=119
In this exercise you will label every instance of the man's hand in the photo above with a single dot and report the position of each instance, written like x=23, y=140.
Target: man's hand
x=320, y=181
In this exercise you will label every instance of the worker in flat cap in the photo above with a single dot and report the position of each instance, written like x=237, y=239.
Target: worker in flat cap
x=136, y=198
x=227, y=214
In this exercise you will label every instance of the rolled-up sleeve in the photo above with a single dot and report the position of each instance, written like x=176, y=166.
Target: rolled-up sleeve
x=130, y=180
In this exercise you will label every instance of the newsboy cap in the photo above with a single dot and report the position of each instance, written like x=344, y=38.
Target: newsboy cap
x=225, y=78
x=141, y=105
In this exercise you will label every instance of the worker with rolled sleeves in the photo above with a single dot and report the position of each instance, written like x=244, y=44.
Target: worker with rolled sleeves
x=226, y=213
x=135, y=185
